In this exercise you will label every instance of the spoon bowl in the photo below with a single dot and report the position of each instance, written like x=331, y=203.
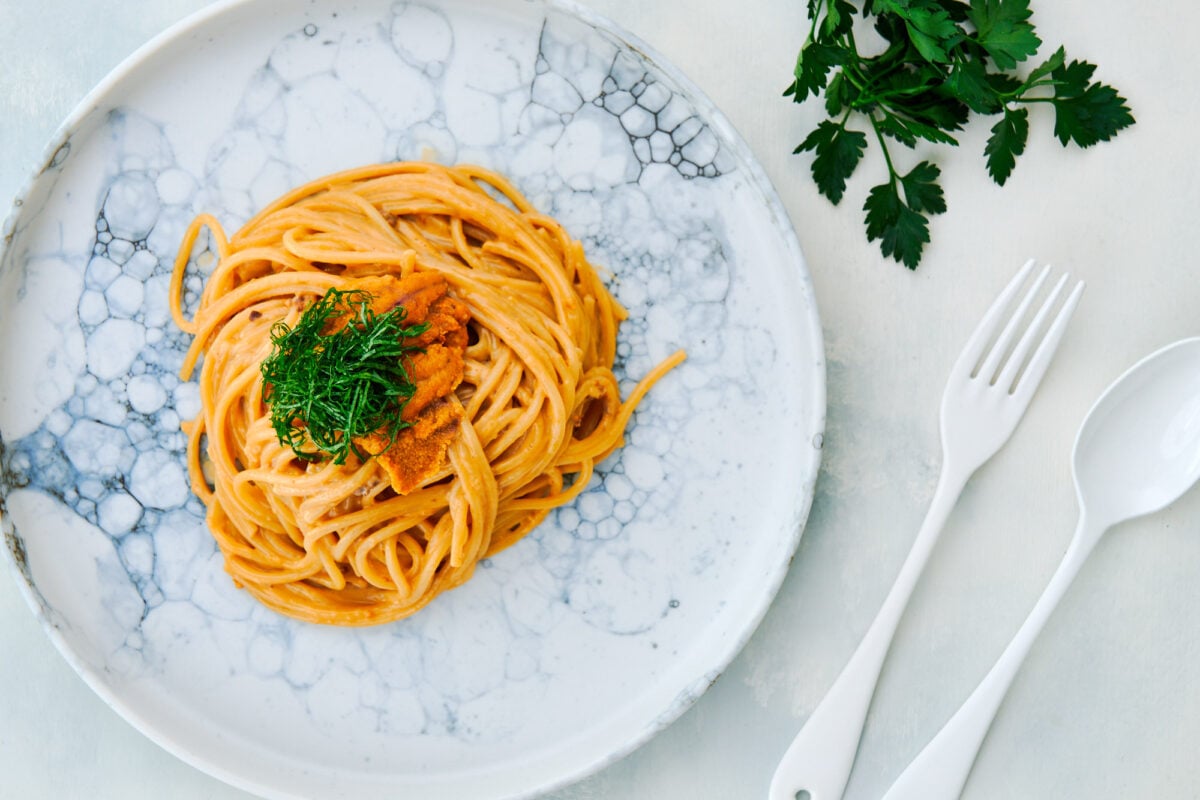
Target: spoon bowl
x=1138, y=449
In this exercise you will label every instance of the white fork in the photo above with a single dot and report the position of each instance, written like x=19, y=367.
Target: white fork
x=980, y=409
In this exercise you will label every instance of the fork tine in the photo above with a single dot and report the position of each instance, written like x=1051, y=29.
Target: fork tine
x=973, y=350
x=987, y=370
x=1045, y=351
x=1030, y=338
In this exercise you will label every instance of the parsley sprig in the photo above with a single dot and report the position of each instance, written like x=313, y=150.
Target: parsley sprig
x=326, y=389
x=943, y=59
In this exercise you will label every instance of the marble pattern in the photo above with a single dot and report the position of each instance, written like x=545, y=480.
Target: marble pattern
x=561, y=653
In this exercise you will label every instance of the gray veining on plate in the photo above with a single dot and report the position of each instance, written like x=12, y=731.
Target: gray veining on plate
x=563, y=651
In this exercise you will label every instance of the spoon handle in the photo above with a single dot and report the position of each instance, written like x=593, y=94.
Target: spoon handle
x=821, y=756
x=940, y=771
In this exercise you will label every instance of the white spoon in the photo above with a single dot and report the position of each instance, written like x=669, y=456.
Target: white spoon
x=1137, y=451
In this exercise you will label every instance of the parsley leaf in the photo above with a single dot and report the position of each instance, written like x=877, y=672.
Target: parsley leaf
x=838, y=95
x=907, y=131
x=902, y=231
x=968, y=82
x=839, y=18
x=941, y=61
x=1086, y=113
x=921, y=189
x=930, y=28
x=838, y=153
x=1046, y=68
x=1006, y=143
x=957, y=9
x=1003, y=29
x=812, y=68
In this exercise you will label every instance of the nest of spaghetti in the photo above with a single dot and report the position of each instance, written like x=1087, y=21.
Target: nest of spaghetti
x=512, y=403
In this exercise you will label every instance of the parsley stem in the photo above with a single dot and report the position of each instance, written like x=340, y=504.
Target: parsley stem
x=816, y=13
x=863, y=84
x=890, y=93
x=891, y=54
x=887, y=156
x=1019, y=94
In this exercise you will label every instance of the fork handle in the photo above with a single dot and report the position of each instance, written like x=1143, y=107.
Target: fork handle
x=940, y=771
x=821, y=756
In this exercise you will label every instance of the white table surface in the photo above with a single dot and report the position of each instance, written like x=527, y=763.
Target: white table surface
x=1106, y=705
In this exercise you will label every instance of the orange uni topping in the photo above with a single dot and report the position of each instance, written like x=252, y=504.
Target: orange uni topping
x=419, y=452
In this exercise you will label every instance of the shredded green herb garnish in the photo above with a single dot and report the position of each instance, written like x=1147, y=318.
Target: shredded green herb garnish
x=327, y=389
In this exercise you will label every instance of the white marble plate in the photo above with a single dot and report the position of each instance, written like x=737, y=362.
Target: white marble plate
x=565, y=651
